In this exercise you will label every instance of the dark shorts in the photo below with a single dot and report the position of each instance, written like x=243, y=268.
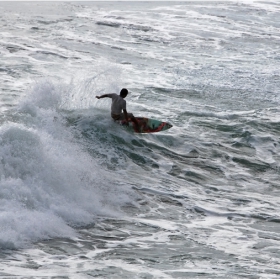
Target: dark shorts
x=121, y=116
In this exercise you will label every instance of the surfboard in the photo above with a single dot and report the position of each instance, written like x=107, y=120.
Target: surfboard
x=146, y=125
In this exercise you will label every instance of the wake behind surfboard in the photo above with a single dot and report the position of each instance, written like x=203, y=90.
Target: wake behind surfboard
x=146, y=125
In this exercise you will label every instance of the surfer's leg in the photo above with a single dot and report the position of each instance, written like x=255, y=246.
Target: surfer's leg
x=136, y=124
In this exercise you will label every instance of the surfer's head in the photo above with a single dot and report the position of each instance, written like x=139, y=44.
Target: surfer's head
x=124, y=93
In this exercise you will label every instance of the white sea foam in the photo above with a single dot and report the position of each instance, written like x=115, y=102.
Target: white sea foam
x=47, y=181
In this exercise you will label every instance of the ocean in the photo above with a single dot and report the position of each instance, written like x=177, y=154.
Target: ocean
x=82, y=197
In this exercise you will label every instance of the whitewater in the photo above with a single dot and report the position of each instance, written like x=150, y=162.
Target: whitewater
x=82, y=197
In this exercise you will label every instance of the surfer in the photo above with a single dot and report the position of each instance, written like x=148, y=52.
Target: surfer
x=118, y=107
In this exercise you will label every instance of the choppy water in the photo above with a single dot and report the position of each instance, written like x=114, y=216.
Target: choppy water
x=80, y=197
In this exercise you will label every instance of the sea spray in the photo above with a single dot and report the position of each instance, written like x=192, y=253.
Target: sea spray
x=49, y=183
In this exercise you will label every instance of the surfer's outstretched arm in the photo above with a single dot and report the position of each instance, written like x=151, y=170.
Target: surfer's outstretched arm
x=102, y=96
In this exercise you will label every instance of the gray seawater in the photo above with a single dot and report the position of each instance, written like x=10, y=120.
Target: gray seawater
x=81, y=197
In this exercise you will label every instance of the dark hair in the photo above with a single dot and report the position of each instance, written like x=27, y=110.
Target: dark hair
x=124, y=92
